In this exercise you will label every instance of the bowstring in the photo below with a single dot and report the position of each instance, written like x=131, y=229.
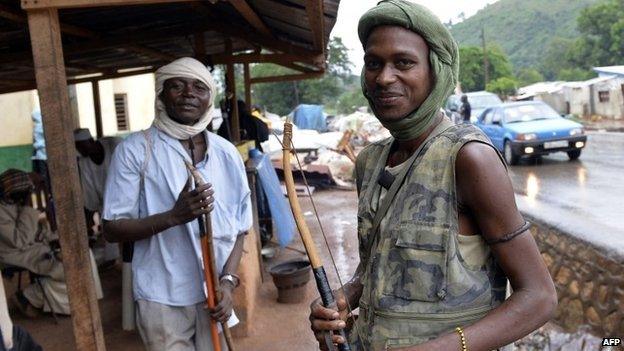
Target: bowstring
x=318, y=219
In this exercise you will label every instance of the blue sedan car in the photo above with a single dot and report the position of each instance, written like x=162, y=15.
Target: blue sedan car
x=529, y=129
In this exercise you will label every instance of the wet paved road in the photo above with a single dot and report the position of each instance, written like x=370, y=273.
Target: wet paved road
x=584, y=196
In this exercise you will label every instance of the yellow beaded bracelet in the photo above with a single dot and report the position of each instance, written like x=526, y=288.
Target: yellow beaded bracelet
x=462, y=338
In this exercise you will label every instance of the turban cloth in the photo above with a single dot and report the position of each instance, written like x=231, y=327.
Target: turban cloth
x=185, y=67
x=443, y=60
x=14, y=181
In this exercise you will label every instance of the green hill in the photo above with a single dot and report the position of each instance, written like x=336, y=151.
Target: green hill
x=522, y=28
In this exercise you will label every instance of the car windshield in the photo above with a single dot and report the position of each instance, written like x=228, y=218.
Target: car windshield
x=483, y=101
x=526, y=113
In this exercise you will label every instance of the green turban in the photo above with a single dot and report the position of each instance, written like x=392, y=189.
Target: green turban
x=443, y=59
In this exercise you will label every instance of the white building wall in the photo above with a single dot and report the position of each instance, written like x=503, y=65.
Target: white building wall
x=15, y=117
x=140, y=103
x=614, y=107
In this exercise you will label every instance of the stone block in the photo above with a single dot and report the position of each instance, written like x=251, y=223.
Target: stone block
x=592, y=316
x=574, y=288
x=563, y=276
x=587, y=290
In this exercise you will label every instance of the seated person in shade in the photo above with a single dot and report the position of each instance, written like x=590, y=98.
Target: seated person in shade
x=25, y=242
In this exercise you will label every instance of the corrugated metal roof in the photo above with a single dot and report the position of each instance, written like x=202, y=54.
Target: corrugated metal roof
x=610, y=70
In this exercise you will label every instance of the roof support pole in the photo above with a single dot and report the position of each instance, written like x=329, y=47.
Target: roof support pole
x=97, y=107
x=45, y=34
x=247, y=86
x=230, y=87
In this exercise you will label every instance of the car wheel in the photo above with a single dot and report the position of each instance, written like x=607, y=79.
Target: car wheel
x=510, y=157
x=574, y=154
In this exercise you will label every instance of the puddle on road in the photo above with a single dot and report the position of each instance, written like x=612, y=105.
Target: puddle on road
x=532, y=188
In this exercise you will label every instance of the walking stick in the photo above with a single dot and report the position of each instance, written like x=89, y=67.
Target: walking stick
x=210, y=268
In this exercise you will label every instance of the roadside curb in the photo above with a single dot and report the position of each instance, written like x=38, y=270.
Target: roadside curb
x=598, y=129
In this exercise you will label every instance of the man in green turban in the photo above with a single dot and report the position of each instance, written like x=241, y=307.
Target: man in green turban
x=439, y=231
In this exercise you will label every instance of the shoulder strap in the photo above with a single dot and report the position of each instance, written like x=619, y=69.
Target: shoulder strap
x=398, y=180
x=148, y=152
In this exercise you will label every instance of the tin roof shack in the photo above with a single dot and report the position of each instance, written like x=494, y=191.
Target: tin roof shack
x=602, y=96
x=608, y=95
x=549, y=92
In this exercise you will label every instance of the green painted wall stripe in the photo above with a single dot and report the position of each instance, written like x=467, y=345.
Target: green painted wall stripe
x=16, y=157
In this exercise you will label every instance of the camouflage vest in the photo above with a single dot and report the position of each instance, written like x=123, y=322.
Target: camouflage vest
x=417, y=285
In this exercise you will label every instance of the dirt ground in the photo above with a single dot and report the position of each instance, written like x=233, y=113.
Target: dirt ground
x=275, y=326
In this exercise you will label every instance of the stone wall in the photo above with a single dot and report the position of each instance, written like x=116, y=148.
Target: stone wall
x=589, y=281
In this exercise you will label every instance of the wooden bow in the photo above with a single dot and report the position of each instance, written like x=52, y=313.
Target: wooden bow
x=320, y=276
x=211, y=274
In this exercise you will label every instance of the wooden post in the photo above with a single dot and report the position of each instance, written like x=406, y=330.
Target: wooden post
x=97, y=106
x=247, y=86
x=230, y=87
x=45, y=37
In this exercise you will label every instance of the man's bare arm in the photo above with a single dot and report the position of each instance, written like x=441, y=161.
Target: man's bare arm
x=485, y=188
x=190, y=205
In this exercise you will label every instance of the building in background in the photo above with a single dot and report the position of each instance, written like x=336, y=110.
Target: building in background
x=601, y=96
x=127, y=105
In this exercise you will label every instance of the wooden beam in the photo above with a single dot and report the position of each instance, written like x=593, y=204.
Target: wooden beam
x=258, y=58
x=228, y=29
x=45, y=36
x=141, y=49
x=77, y=31
x=199, y=46
x=23, y=85
x=97, y=108
x=112, y=75
x=230, y=87
x=250, y=16
x=288, y=77
x=179, y=31
x=20, y=17
x=247, y=85
x=286, y=60
x=62, y=4
x=314, y=9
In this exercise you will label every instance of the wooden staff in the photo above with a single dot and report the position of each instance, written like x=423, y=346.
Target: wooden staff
x=320, y=276
x=210, y=268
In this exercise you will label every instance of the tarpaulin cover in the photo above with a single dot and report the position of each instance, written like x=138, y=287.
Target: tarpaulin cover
x=310, y=117
x=280, y=209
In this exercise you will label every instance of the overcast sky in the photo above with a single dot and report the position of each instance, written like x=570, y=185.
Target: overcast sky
x=350, y=11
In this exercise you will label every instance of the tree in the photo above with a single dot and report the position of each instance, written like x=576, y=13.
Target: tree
x=503, y=86
x=602, y=34
x=528, y=76
x=283, y=97
x=471, y=72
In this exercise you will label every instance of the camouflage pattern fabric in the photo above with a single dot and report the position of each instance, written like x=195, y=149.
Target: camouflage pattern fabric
x=417, y=286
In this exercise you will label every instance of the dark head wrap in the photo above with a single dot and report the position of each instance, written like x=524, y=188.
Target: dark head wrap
x=14, y=181
x=443, y=59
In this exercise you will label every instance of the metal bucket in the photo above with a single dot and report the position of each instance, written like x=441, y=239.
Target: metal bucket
x=290, y=279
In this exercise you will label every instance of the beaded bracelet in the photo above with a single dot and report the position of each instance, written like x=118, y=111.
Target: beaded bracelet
x=462, y=338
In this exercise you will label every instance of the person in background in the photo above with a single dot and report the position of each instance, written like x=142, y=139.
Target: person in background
x=27, y=242
x=13, y=337
x=464, y=109
x=251, y=127
x=40, y=156
x=94, y=158
x=149, y=199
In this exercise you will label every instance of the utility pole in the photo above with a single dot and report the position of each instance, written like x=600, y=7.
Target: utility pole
x=486, y=74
